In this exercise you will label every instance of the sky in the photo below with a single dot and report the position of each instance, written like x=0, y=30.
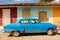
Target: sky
x=18, y=1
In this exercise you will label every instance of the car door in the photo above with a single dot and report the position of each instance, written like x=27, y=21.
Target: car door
x=32, y=26
x=36, y=26
x=27, y=26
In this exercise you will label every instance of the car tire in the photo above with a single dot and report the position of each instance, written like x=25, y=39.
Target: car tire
x=15, y=33
x=50, y=32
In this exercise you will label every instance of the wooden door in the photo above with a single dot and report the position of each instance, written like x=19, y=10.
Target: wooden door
x=42, y=16
x=26, y=13
x=6, y=16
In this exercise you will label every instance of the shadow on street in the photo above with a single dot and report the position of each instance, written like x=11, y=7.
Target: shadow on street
x=58, y=33
x=31, y=34
x=34, y=34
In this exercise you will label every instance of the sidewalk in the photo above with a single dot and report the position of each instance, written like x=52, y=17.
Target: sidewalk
x=58, y=30
x=1, y=28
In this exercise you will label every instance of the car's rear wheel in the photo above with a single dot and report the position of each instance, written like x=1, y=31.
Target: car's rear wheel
x=15, y=33
x=50, y=32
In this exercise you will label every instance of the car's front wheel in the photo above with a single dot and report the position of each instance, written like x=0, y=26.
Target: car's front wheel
x=50, y=32
x=15, y=33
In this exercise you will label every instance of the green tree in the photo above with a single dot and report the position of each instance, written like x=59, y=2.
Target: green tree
x=48, y=0
x=41, y=1
x=45, y=1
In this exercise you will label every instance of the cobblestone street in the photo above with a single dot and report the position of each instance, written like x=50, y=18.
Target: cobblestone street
x=4, y=36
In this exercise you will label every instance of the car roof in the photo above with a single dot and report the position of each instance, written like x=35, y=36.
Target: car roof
x=27, y=18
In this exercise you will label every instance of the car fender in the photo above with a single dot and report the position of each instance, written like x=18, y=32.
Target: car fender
x=13, y=27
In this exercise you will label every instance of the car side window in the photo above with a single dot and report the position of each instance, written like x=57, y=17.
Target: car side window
x=34, y=21
x=24, y=21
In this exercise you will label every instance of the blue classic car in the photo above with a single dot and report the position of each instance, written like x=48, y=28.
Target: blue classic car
x=30, y=25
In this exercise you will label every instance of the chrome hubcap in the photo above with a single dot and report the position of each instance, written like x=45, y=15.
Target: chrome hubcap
x=50, y=32
x=16, y=33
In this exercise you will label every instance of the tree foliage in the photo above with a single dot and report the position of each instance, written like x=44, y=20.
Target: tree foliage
x=46, y=0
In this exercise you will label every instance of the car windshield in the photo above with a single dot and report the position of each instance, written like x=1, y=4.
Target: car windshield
x=17, y=21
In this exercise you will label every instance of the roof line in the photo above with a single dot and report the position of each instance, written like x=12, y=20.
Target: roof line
x=29, y=4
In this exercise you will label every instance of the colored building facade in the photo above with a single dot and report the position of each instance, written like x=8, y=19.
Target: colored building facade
x=45, y=13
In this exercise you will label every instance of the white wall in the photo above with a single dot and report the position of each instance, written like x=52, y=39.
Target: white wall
x=19, y=12
x=35, y=10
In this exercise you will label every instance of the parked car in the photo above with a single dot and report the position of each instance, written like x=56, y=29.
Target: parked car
x=29, y=25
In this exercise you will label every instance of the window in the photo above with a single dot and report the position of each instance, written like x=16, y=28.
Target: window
x=34, y=21
x=25, y=21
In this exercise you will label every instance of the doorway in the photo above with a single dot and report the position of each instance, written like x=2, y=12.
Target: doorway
x=6, y=16
x=42, y=15
x=26, y=13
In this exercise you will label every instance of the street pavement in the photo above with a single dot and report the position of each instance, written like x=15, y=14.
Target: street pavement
x=5, y=36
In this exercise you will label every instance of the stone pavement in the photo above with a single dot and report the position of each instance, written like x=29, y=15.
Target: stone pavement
x=4, y=36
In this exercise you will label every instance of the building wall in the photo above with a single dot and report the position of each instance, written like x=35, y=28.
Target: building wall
x=34, y=12
x=13, y=15
x=56, y=15
x=19, y=12
x=8, y=15
x=1, y=17
x=52, y=13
